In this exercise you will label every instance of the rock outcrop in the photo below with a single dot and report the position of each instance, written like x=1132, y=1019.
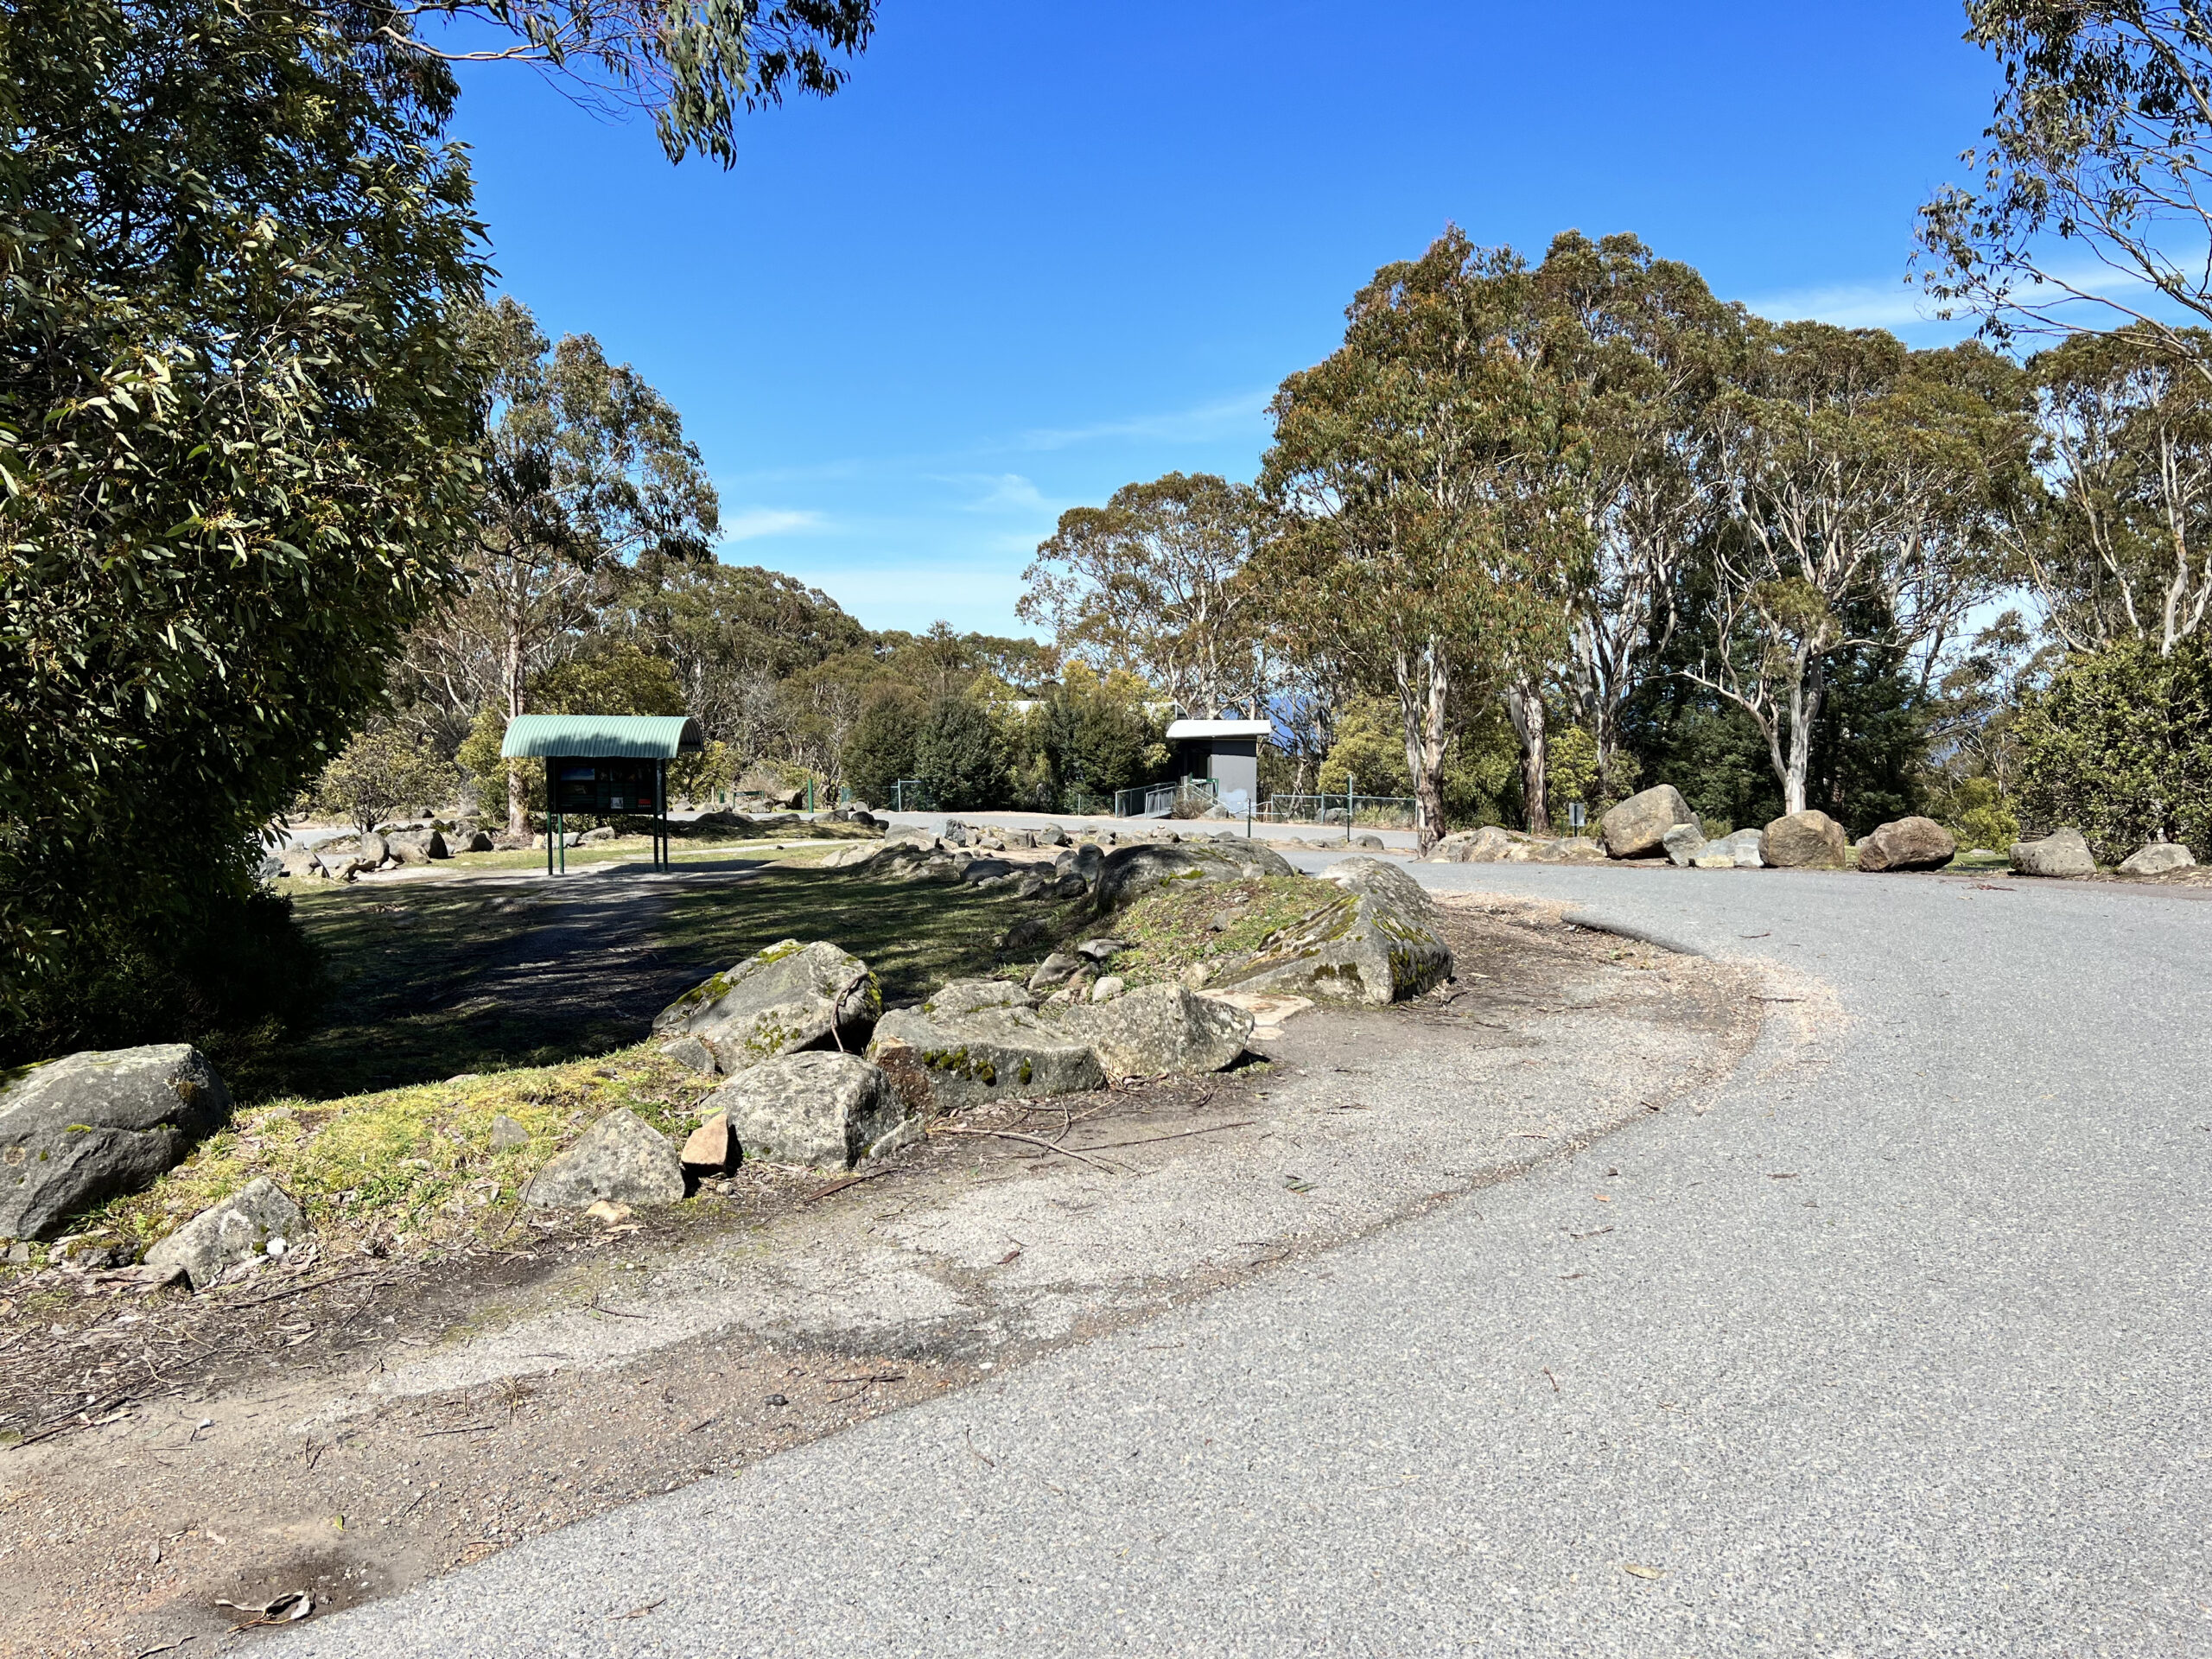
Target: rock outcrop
x=1158, y=1029
x=1128, y=873
x=1638, y=827
x=1804, y=840
x=2062, y=852
x=827, y=1110
x=977, y=1040
x=621, y=1158
x=1376, y=946
x=787, y=998
x=82, y=1128
x=246, y=1225
x=1914, y=843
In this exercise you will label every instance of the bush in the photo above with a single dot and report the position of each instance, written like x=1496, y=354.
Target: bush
x=880, y=750
x=380, y=772
x=958, y=757
x=225, y=972
x=2120, y=746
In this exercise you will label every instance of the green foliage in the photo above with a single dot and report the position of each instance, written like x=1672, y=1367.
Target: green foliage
x=882, y=748
x=959, y=757
x=1480, y=781
x=237, y=414
x=229, y=974
x=381, y=770
x=617, y=679
x=2119, y=745
x=1097, y=734
x=1975, y=812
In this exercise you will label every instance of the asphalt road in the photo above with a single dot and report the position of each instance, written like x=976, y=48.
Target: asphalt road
x=1901, y=1354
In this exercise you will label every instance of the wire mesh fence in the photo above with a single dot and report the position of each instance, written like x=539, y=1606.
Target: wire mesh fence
x=1368, y=811
x=1192, y=795
x=912, y=795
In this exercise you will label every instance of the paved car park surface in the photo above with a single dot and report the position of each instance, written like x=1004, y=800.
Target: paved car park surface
x=1897, y=1348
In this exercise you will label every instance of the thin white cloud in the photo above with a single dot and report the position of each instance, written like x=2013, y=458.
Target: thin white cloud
x=1850, y=305
x=1205, y=421
x=750, y=524
x=1000, y=493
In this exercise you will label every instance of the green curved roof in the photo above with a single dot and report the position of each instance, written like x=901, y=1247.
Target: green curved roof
x=601, y=737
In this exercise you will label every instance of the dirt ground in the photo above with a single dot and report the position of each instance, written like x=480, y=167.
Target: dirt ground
x=366, y=1424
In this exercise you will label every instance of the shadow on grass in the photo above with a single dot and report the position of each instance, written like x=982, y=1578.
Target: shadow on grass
x=434, y=979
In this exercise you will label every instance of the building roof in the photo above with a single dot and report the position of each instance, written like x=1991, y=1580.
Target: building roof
x=1180, y=729
x=601, y=737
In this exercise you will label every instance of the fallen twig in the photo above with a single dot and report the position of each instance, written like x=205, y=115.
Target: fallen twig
x=465, y=1428
x=295, y=1290
x=1034, y=1140
x=1147, y=1140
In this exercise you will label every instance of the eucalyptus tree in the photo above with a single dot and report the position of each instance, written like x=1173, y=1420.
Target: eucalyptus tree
x=586, y=470
x=2119, y=547
x=2090, y=211
x=1645, y=350
x=1155, y=581
x=1865, y=486
x=1417, y=466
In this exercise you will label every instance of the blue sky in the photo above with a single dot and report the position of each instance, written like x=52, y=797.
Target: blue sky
x=1037, y=251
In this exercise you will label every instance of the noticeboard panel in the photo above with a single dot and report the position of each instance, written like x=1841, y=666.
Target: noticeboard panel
x=604, y=786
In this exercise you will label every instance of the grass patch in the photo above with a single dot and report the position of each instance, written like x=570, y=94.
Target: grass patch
x=1171, y=928
x=415, y=1164
x=915, y=934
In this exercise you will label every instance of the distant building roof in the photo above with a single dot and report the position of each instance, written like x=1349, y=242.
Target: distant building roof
x=1178, y=730
x=602, y=737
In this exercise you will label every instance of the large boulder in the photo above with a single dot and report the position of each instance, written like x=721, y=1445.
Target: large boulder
x=229, y=1235
x=1638, y=827
x=80, y=1129
x=1914, y=843
x=787, y=998
x=2159, y=858
x=1128, y=873
x=1157, y=1029
x=2062, y=852
x=621, y=1158
x=977, y=1040
x=830, y=1111
x=1484, y=846
x=1742, y=848
x=1682, y=844
x=1570, y=850
x=1376, y=945
x=1804, y=840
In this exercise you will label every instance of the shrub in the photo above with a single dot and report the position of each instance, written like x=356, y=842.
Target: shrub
x=958, y=756
x=2119, y=745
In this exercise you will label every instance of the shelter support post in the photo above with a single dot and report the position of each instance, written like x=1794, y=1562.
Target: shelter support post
x=552, y=794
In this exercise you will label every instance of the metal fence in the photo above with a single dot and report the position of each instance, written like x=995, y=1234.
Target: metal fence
x=912, y=795
x=1373, y=811
x=1160, y=800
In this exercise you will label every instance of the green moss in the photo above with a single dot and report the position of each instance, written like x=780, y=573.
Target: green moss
x=417, y=1160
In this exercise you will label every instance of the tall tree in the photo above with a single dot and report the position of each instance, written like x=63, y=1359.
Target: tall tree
x=2090, y=212
x=236, y=411
x=1418, y=464
x=588, y=470
x=2119, y=545
x=1863, y=482
x=1154, y=581
x=1645, y=350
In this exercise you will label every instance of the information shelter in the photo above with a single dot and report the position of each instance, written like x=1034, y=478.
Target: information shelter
x=605, y=765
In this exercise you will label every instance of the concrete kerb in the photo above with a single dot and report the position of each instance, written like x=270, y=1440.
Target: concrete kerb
x=1598, y=923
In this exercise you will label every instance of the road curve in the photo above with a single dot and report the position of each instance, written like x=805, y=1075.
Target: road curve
x=1899, y=1353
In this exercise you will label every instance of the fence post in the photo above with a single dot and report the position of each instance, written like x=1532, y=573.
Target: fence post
x=1351, y=786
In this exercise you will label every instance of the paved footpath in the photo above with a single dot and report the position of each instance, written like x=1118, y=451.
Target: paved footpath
x=1901, y=1354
